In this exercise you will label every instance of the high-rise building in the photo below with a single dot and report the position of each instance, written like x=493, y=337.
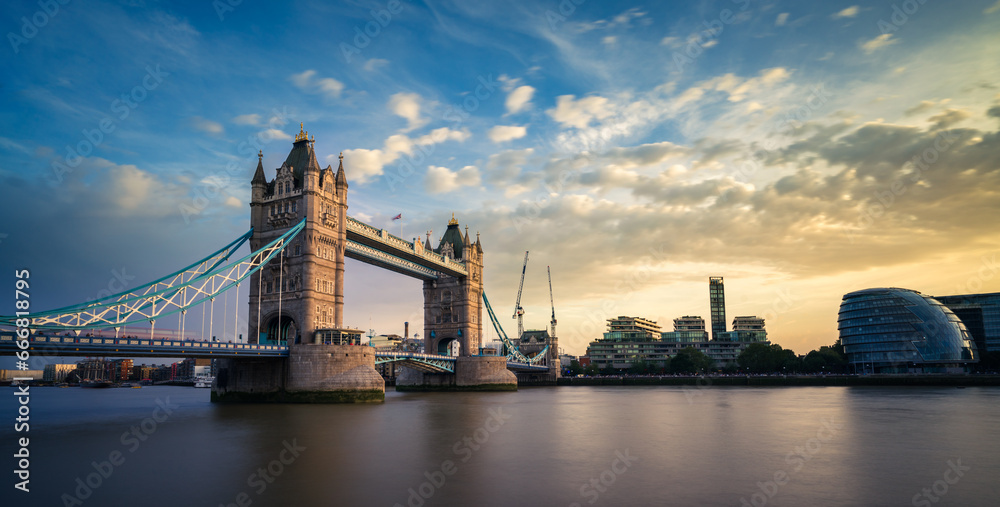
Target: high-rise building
x=717, y=301
x=981, y=315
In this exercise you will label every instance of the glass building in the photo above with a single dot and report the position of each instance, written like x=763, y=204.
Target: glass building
x=717, y=303
x=981, y=315
x=891, y=330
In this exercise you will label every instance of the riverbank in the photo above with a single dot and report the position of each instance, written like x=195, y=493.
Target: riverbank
x=790, y=380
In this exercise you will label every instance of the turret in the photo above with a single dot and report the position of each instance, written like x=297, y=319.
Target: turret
x=258, y=184
x=341, y=175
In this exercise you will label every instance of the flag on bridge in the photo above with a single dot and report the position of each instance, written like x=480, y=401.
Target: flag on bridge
x=398, y=217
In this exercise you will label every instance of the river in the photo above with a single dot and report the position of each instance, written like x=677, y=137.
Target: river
x=555, y=446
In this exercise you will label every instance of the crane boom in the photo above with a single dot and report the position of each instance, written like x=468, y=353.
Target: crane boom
x=552, y=300
x=518, y=311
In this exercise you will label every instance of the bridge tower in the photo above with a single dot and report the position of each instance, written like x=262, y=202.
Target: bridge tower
x=298, y=297
x=453, y=307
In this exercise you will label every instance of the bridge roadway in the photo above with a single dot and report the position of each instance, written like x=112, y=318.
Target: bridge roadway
x=154, y=347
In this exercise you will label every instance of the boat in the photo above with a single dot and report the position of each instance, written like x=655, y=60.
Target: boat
x=203, y=382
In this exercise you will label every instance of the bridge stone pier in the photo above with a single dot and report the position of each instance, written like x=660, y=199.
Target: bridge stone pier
x=298, y=297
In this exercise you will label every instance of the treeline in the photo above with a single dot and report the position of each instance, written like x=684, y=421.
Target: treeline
x=757, y=358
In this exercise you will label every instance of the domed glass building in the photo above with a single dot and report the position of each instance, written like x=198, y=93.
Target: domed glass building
x=890, y=330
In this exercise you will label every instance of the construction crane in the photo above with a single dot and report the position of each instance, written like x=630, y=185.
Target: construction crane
x=518, y=311
x=552, y=300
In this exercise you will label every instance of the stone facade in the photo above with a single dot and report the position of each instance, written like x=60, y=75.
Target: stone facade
x=453, y=307
x=309, y=274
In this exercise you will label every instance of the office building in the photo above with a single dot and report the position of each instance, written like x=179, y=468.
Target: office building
x=687, y=329
x=981, y=315
x=717, y=303
x=892, y=330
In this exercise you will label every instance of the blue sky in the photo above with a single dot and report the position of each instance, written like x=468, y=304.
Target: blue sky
x=636, y=148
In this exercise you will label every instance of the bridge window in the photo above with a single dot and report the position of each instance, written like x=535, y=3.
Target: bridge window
x=295, y=206
x=268, y=287
x=298, y=249
x=437, y=319
x=446, y=297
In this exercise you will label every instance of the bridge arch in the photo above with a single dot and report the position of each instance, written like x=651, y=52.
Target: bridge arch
x=280, y=329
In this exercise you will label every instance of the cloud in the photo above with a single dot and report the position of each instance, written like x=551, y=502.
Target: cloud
x=849, y=12
x=877, y=43
x=781, y=19
x=948, y=117
x=441, y=179
x=374, y=64
x=302, y=80
x=407, y=105
x=924, y=105
x=519, y=99
x=609, y=40
x=329, y=87
x=579, y=113
x=993, y=8
x=247, y=119
x=274, y=134
x=205, y=125
x=503, y=133
x=362, y=165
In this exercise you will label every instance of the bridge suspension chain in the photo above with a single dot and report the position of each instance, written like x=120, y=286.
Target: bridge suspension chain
x=198, y=283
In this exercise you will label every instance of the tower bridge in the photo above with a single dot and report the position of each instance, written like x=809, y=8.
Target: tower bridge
x=298, y=347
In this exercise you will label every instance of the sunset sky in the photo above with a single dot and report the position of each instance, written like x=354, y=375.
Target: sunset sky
x=800, y=150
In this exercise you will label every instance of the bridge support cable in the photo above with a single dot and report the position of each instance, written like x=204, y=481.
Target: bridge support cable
x=176, y=293
x=513, y=353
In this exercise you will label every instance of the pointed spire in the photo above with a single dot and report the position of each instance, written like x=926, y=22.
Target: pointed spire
x=453, y=221
x=427, y=244
x=479, y=246
x=258, y=175
x=312, y=164
x=466, y=238
x=341, y=175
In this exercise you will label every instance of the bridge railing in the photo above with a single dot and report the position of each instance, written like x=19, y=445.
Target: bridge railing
x=144, y=342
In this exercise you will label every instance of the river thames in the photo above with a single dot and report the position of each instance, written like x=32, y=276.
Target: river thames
x=557, y=446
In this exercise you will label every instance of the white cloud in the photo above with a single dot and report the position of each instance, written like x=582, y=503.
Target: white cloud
x=849, y=12
x=274, y=134
x=503, y=133
x=247, y=119
x=579, y=113
x=782, y=18
x=407, y=105
x=363, y=165
x=326, y=86
x=374, y=64
x=206, y=125
x=302, y=80
x=234, y=202
x=519, y=99
x=441, y=179
x=877, y=43
x=330, y=87
x=609, y=40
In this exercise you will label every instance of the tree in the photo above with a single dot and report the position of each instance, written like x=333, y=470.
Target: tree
x=640, y=367
x=591, y=370
x=608, y=369
x=691, y=360
x=575, y=368
x=763, y=358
